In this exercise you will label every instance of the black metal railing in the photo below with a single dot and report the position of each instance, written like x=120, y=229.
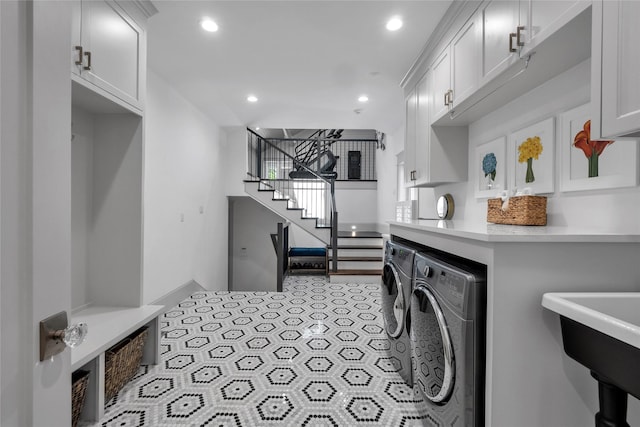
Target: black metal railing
x=355, y=159
x=280, y=241
x=304, y=188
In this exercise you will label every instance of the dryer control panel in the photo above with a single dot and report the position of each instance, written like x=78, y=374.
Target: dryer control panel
x=457, y=288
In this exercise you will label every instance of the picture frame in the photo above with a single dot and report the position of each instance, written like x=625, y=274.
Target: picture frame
x=532, y=153
x=615, y=166
x=490, y=168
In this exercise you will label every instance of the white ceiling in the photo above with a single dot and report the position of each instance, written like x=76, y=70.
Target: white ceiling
x=306, y=61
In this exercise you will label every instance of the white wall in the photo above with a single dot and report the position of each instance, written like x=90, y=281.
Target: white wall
x=386, y=163
x=184, y=173
x=81, y=202
x=253, y=258
x=357, y=204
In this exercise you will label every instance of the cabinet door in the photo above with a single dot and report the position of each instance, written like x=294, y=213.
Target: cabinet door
x=541, y=18
x=440, y=84
x=77, y=57
x=423, y=130
x=620, y=65
x=465, y=59
x=499, y=19
x=113, y=41
x=410, y=139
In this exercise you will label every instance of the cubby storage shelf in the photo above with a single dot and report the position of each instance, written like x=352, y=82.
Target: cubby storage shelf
x=108, y=326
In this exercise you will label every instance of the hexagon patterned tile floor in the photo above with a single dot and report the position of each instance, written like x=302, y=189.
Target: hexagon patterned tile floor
x=313, y=355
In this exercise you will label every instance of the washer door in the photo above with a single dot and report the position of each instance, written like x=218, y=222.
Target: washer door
x=392, y=301
x=432, y=352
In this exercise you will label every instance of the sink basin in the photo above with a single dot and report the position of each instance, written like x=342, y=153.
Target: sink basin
x=616, y=314
x=602, y=332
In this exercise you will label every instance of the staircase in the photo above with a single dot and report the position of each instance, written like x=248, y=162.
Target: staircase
x=359, y=257
x=267, y=193
x=298, y=187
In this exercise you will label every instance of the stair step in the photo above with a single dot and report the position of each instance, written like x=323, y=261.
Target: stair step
x=365, y=241
x=359, y=258
x=356, y=272
x=358, y=247
x=359, y=234
x=355, y=252
x=360, y=265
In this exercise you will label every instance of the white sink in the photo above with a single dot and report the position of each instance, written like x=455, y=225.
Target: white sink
x=616, y=314
x=601, y=330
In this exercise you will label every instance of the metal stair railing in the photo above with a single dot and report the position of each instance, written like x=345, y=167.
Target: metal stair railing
x=312, y=148
x=314, y=195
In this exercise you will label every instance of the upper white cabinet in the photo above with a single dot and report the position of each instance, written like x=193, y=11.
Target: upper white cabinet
x=109, y=50
x=616, y=36
x=411, y=109
x=417, y=135
x=441, y=84
x=432, y=156
x=456, y=71
x=499, y=44
x=541, y=18
x=465, y=62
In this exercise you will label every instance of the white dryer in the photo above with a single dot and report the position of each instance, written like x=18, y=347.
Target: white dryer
x=396, y=285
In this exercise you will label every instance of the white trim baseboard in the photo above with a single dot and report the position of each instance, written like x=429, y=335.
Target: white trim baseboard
x=174, y=297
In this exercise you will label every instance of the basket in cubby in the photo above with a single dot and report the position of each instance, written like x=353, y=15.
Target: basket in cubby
x=122, y=362
x=79, y=382
x=522, y=210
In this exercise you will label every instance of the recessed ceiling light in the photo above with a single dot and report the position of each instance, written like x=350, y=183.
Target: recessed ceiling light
x=257, y=127
x=209, y=25
x=394, y=24
x=363, y=98
x=252, y=98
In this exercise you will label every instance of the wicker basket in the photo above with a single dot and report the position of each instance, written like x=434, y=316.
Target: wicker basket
x=122, y=362
x=79, y=381
x=522, y=210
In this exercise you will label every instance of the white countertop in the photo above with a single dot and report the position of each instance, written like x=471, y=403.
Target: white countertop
x=486, y=232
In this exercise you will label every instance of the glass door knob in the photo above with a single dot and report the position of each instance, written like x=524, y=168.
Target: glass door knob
x=73, y=335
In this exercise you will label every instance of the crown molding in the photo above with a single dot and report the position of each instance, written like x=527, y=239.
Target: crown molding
x=145, y=7
x=443, y=28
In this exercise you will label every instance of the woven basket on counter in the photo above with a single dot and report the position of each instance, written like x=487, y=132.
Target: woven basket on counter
x=79, y=381
x=522, y=210
x=122, y=362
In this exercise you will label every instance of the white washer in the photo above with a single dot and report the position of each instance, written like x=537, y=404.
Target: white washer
x=396, y=286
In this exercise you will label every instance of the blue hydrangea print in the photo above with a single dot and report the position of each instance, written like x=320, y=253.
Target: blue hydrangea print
x=489, y=164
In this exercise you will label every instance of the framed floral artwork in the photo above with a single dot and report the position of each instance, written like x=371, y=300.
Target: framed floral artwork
x=490, y=168
x=532, y=153
x=591, y=164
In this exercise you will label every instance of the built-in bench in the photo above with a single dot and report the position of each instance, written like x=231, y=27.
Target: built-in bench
x=108, y=326
x=308, y=261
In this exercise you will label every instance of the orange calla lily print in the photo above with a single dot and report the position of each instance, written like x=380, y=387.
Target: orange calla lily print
x=591, y=148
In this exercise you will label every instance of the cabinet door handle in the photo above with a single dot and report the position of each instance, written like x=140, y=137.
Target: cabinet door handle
x=519, y=41
x=79, y=60
x=88, y=66
x=446, y=98
x=450, y=96
x=511, y=48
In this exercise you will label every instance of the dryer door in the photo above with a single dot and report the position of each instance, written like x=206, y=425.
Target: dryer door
x=392, y=301
x=432, y=352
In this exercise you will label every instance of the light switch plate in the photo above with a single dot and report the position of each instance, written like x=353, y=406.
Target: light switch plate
x=50, y=346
